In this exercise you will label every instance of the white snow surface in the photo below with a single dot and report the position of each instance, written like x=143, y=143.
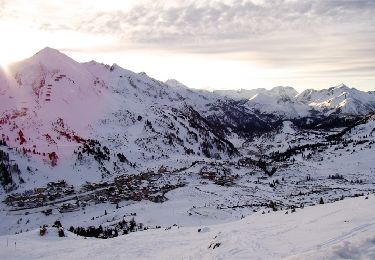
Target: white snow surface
x=341, y=230
x=339, y=99
x=287, y=102
x=112, y=105
x=279, y=104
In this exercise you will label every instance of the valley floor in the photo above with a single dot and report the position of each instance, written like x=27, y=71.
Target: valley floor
x=340, y=230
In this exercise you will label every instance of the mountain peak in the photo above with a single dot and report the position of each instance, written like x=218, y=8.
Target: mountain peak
x=48, y=50
x=175, y=83
x=284, y=91
x=47, y=54
x=342, y=85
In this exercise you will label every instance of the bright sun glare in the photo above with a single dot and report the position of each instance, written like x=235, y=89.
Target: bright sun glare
x=16, y=46
x=6, y=59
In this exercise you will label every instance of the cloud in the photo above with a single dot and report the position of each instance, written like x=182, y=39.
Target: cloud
x=325, y=36
x=207, y=25
x=197, y=23
x=316, y=36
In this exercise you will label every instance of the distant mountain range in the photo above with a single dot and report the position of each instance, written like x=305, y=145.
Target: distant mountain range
x=91, y=144
x=51, y=103
x=288, y=102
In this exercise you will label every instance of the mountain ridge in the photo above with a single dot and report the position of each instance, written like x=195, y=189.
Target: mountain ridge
x=50, y=87
x=95, y=144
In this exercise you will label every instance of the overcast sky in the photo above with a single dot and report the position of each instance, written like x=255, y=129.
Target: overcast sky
x=207, y=44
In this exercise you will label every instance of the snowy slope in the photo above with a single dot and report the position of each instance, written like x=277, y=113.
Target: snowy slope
x=241, y=93
x=340, y=99
x=102, y=126
x=51, y=86
x=288, y=103
x=278, y=104
x=302, y=178
x=50, y=95
x=52, y=105
x=279, y=101
x=279, y=91
x=50, y=91
x=343, y=230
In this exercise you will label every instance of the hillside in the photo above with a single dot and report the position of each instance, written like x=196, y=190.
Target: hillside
x=287, y=102
x=92, y=144
x=339, y=99
x=342, y=230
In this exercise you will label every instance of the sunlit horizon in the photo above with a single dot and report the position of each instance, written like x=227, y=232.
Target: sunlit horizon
x=204, y=44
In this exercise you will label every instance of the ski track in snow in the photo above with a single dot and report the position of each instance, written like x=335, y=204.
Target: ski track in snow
x=269, y=236
x=54, y=100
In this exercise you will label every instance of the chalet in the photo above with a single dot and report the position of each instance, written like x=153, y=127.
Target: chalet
x=224, y=182
x=60, y=183
x=39, y=190
x=68, y=207
x=157, y=198
x=47, y=212
x=208, y=175
x=162, y=169
x=12, y=198
x=136, y=196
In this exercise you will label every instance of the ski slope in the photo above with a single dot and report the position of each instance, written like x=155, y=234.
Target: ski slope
x=342, y=230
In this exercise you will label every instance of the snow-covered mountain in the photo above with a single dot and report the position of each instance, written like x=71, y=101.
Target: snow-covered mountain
x=241, y=93
x=52, y=106
x=343, y=230
x=250, y=93
x=340, y=99
x=287, y=102
x=57, y=103
x=94, y=144
x=280, y=101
